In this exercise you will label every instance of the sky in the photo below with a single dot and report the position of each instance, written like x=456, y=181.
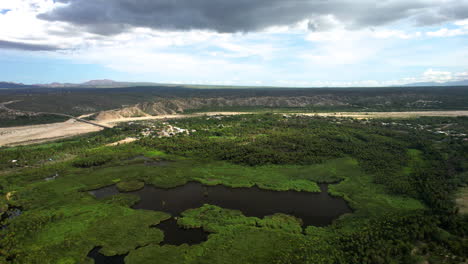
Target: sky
x=300, y=43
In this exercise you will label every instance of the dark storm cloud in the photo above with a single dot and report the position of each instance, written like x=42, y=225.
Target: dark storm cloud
x=108, y=17
x=26, y=46
x=447, y=12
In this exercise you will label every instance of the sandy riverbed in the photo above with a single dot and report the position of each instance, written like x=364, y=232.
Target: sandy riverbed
x=24, y=135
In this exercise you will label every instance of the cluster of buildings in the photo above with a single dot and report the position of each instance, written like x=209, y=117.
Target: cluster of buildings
x=166, y=130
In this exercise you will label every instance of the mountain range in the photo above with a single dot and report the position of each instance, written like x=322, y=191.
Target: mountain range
x=453, y=83
x=105, y=83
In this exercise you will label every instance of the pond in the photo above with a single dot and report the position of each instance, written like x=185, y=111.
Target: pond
x=318, y=209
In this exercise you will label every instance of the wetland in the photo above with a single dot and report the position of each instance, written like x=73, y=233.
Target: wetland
x=258, y=188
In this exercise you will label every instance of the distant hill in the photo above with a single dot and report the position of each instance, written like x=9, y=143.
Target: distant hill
x=105, y=83
x=455, y=83
x=13, y=85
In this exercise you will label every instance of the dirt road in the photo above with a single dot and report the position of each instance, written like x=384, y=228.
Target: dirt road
x=24, y=135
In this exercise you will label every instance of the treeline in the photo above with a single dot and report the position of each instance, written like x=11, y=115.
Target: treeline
x=390, y=239
x=31, y=120
x=270, y=139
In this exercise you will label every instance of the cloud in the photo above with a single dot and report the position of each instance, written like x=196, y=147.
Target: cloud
x=445, y=32
x=336, y=42
x=323, y=23
x=437, y=76
x=462, y=22
x=462, y=75
x=107, y=17
x=429, y=75
x=26, y=46
x=344, y=47
x=447, y=10
x=461, y=28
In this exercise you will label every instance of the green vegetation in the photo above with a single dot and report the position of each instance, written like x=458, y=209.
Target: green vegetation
x=130, y=186
x=68, y=234
x=401, y=180
x=31, y=120
x=215, y=219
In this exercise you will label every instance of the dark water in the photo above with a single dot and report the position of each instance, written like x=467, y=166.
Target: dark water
x=101, y=259
x=105, y=192
x=175, y=235
x=318, y=209
x=150, y=161
x=10, y=214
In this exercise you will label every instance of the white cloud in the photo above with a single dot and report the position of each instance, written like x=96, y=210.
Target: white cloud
x=21, y=24
x=461, y=28
x=462, y=22
x=395, y=34
x=429, y=75
x=462, y=75
x=445, y=32
x=169, y=66
x=437, y=76
x=344, y=47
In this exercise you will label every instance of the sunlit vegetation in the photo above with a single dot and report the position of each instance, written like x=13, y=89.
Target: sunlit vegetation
x=401, y=183
x=129, y=186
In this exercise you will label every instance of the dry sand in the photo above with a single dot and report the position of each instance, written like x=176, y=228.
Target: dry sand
x=123, y=141
x=24, y=135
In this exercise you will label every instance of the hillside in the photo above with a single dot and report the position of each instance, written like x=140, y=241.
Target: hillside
x=161, y=100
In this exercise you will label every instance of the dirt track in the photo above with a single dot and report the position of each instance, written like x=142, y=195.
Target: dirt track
x=25, y=135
